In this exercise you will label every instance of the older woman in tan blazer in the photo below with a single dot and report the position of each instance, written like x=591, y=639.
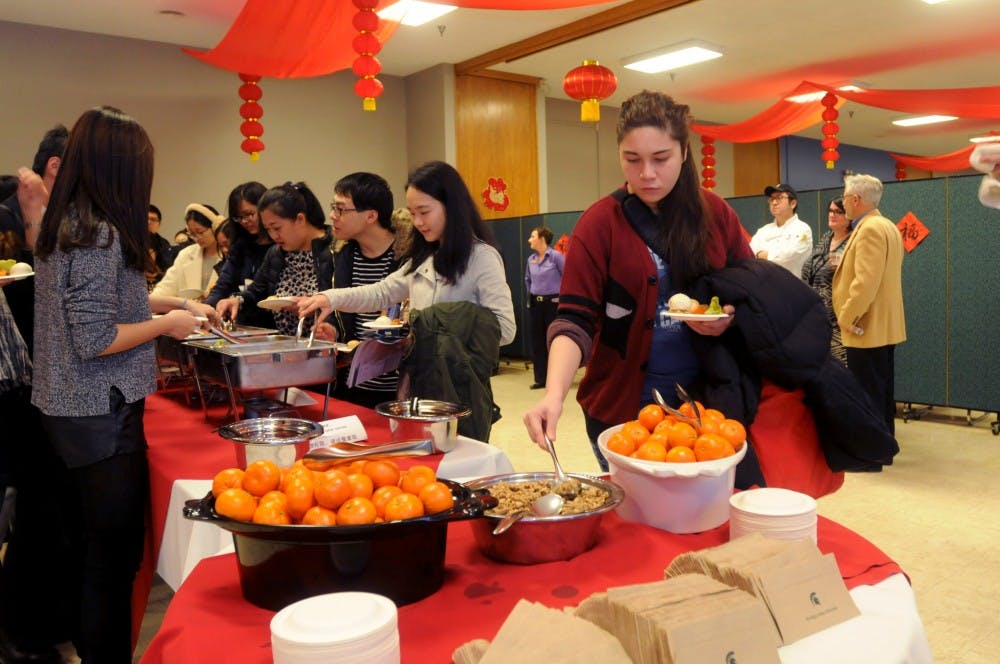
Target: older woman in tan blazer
x=868, y=293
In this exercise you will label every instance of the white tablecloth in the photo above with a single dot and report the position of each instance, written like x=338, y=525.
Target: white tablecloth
x=186, y=542
x=888, y=631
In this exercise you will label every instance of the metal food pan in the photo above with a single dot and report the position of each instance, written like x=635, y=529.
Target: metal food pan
x=173, y=350
x=264, y=362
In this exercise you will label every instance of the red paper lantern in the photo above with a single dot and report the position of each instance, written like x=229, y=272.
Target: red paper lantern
x=251, y=112
x=900, y=170
x=830, y=129
x=589, y=84
x=708, y=162
x=366, y=45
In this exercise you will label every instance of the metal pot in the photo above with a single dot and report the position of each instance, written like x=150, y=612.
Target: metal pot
x=278, y=439
x=403, y=560
x=536, y=539
x=418, y=419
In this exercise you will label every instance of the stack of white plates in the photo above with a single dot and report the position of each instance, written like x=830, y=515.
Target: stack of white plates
x=347, y=628
x=775, y=513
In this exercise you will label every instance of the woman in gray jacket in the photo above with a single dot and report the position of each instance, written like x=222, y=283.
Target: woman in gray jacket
x=94, y=364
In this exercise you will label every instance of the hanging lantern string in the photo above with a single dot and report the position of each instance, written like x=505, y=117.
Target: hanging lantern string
x=589, y=84
x=366, y=45
x=708, y=162
x=830, y=129
x=251, y=112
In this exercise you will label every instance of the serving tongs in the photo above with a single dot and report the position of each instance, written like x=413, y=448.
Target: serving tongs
x=683, y=396
x=222, y=334
x=312, y=330
x=345, y=450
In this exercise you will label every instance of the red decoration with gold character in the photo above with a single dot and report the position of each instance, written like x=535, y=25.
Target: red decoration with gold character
x=900, y=170
x=590, y=83
x=251, y=112
x=495, y=195
x=830, y=129
x=366, y=45
x=708, y=162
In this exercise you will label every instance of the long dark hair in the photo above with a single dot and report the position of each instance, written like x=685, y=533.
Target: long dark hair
x=106, y=176
x=288, y=200
x=685, y=226
x=463, y=224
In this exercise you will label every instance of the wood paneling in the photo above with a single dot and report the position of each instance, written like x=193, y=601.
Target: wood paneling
x=611, y=18
x=755, y=166
x=497, y=137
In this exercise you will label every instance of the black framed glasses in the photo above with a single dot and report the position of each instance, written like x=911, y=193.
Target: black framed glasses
x=245, y=217
x=338, y=210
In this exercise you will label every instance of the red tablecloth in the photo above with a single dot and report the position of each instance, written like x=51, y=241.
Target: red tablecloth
x=183, y=444
x=209, y=621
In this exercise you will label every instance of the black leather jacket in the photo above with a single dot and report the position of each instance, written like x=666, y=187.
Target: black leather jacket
x=265, y=281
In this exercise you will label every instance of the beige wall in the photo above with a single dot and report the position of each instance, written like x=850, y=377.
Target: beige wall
x=314, y=129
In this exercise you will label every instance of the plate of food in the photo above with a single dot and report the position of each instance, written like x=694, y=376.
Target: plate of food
x=383, y=323
x=11, y=270
x=686, y=315
x=275, y=303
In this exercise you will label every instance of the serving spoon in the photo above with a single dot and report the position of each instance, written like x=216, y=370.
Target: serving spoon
x=546, y=505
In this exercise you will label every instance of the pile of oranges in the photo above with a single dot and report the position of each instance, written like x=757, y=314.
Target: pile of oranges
x=657, y=436
x=364, y=491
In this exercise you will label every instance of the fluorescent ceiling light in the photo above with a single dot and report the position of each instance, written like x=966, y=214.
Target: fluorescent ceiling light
x=934, y=2
x=816, y=96
x=923, y=120
x=989, y=138
x=414, y=12
x=673, y=57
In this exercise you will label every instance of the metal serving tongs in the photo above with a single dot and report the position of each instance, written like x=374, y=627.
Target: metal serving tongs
x=312, y=330
x=345, y=450
x=658, y=398
x=225, y=335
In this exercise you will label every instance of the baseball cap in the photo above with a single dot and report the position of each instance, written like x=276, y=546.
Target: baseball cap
x=783, y=188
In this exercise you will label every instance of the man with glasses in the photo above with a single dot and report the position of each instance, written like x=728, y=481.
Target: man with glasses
x=361, y=213
x=787, y=240
x=868, y=293
x=159, y=249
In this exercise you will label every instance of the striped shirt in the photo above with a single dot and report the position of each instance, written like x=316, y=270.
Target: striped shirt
x=369, y=271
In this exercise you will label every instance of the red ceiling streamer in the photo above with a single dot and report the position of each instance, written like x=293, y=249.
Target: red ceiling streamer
x=366, y=45
x=251, y=112
x=708, y=162
x=830, y=129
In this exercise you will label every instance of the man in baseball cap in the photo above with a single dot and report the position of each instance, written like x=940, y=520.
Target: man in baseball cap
x=787, y=240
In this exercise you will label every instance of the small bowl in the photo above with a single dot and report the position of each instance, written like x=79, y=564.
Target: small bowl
x=278, y=439
x=537, y=539
x=421, y=419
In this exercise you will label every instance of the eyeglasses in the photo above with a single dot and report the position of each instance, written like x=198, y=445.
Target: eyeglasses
x=338, y=210
x=836, y=211
x=778, y=197
x=245, y=217
x=199, y=232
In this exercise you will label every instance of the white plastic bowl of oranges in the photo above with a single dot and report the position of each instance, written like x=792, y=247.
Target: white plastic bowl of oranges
x=683, y=491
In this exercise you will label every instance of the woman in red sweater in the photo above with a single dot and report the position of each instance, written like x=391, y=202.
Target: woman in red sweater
x=613, y=298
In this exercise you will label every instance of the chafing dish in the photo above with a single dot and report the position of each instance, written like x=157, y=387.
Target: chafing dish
x=172, y=350
x=263, y=362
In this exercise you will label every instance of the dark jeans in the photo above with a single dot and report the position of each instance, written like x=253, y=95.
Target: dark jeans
x=34, y=609
x=106, y=513
x=594, y=429
x=875, y=370
x=542, y=313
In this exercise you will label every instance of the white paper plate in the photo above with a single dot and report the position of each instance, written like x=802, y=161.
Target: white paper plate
x=276, y=303
x=677, y=315
x=372, y=325
x=772, y=501
x=15, y=277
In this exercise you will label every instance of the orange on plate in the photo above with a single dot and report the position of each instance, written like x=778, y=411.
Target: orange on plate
x=319, y=516
x=361, y=485
x=382, y=496
x=403, y=506
x=682, y=433
x=680, y=454
x=331, y=489
x=650, y=416
x=261, y=476
x=619, y=443
x=436, y=497
x=236, y=504
x=301, y=496
x=711, y=446
x=271, y=512
x=734, y=432
x=230, y=478
x=651, y=451
x=382, y=472
x=356, y=511
x=414, y=479
x=635, y=431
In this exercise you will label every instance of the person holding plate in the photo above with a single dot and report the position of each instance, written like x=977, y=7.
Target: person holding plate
x=298, y=263
x=629, y=253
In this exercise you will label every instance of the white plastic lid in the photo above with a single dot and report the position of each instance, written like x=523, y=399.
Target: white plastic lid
x=335, y=618
x=773, y=502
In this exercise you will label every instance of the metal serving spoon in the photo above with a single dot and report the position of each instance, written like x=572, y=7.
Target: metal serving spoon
x=345, y=450
x=546, y=505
